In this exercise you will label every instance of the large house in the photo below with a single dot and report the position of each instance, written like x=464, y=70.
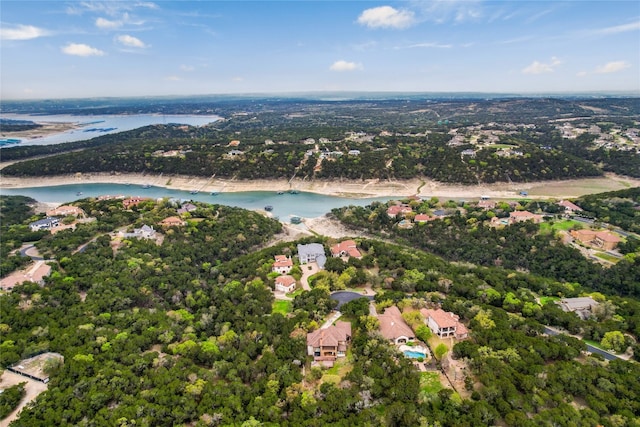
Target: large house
x=327, y=344
x=282, y=265
x=144, y=232
x=285, y=284
x=313, y=252
x=393, y=327
x=444, y=323
x=582, y=306
x=601, y=239
x=187, y=208
x=65, y=210
x=172, y=221
x=133, y=201
x=398, y=210
x=44, y=224
x=522, y=216
x=347, y=248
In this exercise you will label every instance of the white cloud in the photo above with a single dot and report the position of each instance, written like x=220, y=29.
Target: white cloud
x=448, y=10
x=345, y=66
x=173, y=78
x=130, y=41
x=582, y=74
x=633, y=26
x=184, y=67
x=238, y=79
x=386, y=17
x=80, y=49
x=427, y=45
x=541, y=67
x=106, y=24
x=612, y=67
x=21, y=32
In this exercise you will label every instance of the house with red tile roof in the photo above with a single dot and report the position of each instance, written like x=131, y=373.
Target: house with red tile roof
x=133, y=201
x=393, y=327
x=444, y=323
x=422, y=218
x=285, y=284
x=601, y=239
x=327, y=344
x=398, y=210
x=282, y=265
x=347, y=248
x=522, y=216
x=487, y=204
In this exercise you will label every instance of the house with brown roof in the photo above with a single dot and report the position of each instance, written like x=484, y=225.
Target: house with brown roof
x=66, y=210
x=422, y=218
x=487, y=204
x=327, y=344
x=569, y=207
x=282, y=265
x=133, y=201
x=172, y=221
x=285, y=284
x=398, y=210
x=605, y=240
x=394, y=328
x=347, y=248
x=522, y=216
x=444, y=323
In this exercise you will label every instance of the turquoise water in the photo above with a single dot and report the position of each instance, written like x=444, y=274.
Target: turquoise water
x=414, y=354
x=306, y=205
x=98, y=125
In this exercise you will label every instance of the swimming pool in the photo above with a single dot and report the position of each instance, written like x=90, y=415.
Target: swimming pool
x=414, y=354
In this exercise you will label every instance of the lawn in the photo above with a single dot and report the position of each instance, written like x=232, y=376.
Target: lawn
x=282, y=307
x=547, y=300
x=430, y=383
x=607, y=257
x=562, y=225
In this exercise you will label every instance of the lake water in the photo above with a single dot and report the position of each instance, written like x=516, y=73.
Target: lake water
x=305, y=205
x=93, y=126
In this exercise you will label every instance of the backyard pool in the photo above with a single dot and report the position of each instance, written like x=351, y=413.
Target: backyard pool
x=414, y=354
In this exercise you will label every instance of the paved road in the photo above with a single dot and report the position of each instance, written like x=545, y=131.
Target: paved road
x=608, y=356
x=31, y=251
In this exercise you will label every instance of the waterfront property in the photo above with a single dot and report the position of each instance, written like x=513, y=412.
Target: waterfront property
x=313, y=252
x=347, y=248
x=66, y=210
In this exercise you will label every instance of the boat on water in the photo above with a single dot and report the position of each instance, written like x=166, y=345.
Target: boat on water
x=214, y=193
x=194, y=191
x=79, y=193
x=268, y=208
x=146, y=186
x=280, y=192
x=293, y=191
x=296, y=219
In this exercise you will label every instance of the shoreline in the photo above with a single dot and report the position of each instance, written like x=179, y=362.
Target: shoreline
x=565, y=189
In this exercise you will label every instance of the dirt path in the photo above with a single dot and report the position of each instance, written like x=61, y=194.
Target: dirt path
x=32, y=388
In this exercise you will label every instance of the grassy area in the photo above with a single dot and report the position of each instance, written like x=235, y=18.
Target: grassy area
x=282, y=307
x=596, y=344
x=430, y=383
x=547, y=300
x=295, y=293
x=562, y=225
x=607, y=257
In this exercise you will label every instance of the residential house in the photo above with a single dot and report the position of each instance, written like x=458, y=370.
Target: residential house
x=487, y=204
x=45, y=224
x=393, y=327
x=187, y=208
x=285, y=284
x=422, y=218
x=569, y=207
x=346, y=248
x=327, y=344
x=66, y=210
x=469, y=152
x=172, y=221
x=144, y=232
x=313, y=252
x=601, y=239
x=582, y=306
x=354, y=152
x=133, y=201
x=282, y=265
x=522, y=216
x=398, y=210
x=444, y=323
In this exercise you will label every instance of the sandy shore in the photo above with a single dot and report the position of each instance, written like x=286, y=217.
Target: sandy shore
x=46, y=129
x=352, y=189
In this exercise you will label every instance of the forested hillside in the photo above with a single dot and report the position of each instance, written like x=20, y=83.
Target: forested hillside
x=464, y=141
x=181, y=329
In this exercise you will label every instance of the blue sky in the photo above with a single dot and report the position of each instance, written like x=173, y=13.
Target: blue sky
x=58, y=49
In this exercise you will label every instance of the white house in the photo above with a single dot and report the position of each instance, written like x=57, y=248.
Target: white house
x=285, y=284
x=282, y=265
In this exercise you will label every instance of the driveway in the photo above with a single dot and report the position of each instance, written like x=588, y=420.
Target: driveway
x=308, y=270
